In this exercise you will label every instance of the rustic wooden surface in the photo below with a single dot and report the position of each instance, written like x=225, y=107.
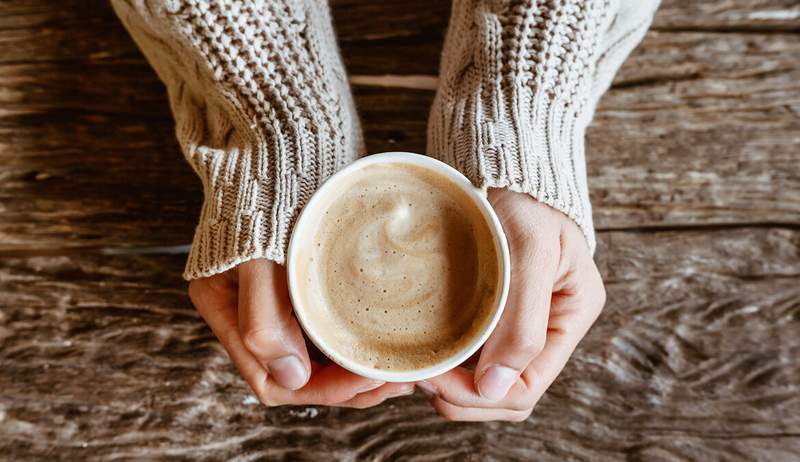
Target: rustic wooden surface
x=694, y=166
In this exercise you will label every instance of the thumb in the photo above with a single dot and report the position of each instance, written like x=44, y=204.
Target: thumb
x=521, y=333
x=266, y=325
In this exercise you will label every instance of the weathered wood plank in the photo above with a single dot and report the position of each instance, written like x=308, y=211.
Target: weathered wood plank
x=402, y=37
x=700, y=129
x=35, y=31
x=695, y=357
x=729, y=15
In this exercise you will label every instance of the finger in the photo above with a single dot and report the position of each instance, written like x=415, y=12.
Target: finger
x=521, y=333
x=266, y=324
x=457, y=387
x=218, y=309
x=329, y=384
x=470, y=414
x=574, y=311
x=378, y=395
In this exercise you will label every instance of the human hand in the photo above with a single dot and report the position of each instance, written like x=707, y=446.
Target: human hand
x=249, y=310
x=556, y=294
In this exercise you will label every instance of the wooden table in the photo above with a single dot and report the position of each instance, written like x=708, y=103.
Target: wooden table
x=694, y=166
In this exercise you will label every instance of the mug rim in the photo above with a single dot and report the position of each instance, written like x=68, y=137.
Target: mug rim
x=501, y=245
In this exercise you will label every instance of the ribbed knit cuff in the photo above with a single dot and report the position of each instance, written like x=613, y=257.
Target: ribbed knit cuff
x=245, y=214
x=256, y=185
x=529, y=142
x=263, y=113
x=513, y=99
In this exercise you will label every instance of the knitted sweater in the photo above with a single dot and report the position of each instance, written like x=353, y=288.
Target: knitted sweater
x=264, y=114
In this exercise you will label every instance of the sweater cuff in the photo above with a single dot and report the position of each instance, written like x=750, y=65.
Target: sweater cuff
x=532, y=142
x=244, y=215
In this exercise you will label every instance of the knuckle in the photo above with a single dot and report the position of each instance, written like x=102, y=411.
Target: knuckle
x=448, y=412
x=589, y=291
x=523, y=416
x=195, y=291
x=450, y=415
x=366, y=404
x=257, y=340
x=268, y=401
x=602, y=298
x=530, y=345
x=599, y=295
x=265, y=398
x=522, y=402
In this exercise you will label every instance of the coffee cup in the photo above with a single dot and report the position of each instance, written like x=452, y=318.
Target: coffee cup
x=435, y=277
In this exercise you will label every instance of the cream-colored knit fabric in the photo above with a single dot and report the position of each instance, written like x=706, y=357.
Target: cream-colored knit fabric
x=519, y=84
x=264, y=114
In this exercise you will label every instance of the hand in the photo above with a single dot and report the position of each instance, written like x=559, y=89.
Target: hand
x=249, y=311
x=556, y=294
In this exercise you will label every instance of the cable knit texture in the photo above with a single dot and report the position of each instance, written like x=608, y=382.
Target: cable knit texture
x=519, y=83
x=264, y=115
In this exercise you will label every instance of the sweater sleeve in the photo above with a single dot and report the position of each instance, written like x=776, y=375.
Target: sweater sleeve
x=262, y=110
x=519, y=83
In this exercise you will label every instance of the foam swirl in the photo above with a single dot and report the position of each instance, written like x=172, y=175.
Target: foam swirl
x=403, y=268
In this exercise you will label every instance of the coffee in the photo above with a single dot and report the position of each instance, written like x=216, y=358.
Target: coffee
x=402, y=271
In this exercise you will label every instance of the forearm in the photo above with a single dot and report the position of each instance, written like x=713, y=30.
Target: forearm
x=262, y=109
x=519, y=83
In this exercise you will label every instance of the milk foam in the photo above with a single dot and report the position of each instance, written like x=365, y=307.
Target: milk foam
x=402, y=271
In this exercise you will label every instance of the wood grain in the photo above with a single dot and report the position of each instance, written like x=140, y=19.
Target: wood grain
x=699, y=129
x=694, y=358
x=693, y=166
x=756, y=16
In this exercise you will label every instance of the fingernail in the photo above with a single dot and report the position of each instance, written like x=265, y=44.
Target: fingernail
x=428, y=388
x=496, y=382
x=373, y=384
x=288, y=372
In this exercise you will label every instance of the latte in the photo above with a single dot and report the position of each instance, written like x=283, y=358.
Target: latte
x=402, y=271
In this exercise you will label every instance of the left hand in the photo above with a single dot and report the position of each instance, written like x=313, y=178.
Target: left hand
x=248, y=309
x=556, y=294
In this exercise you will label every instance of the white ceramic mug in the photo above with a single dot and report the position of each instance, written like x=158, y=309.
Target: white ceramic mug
x=303, y=235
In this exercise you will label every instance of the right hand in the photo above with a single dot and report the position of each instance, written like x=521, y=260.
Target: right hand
x=249, y=310
x=556, y=294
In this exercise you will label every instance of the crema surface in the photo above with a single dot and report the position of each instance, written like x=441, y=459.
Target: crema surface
x=402, y=271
